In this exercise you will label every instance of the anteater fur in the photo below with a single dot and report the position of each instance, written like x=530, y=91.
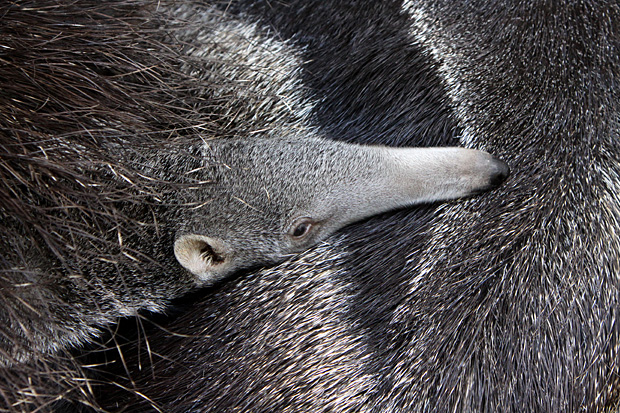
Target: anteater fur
x=506, y=302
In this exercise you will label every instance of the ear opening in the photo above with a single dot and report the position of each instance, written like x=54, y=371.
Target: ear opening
x=200, y=255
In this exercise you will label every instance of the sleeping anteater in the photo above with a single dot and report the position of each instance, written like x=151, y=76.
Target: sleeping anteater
x=505, y=302
x=134, y=133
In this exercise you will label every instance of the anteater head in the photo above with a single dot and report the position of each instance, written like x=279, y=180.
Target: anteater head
x=274, y=197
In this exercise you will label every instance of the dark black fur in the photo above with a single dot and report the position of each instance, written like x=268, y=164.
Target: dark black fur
x=515, y=309
x=78, y=78
x=502, y=303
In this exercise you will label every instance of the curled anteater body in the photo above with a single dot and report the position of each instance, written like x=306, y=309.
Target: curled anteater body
x=152, y=148
x=505, y=302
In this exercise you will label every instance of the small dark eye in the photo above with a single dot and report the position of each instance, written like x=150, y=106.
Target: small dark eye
x=301, y=227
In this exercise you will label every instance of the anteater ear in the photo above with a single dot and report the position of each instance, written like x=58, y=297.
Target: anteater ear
x=202, y=256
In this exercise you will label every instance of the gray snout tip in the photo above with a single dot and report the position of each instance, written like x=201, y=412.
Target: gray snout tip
x=499, y=173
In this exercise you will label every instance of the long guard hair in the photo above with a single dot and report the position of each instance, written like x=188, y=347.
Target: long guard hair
x=505, y=302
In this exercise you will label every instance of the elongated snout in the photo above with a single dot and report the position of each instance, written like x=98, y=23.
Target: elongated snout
x=434, y=174
x=401, y=177
x=280, y=196
x=489, y=168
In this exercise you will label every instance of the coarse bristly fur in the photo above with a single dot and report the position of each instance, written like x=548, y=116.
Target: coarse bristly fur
x=70, y=86
x=78, y=80
x=505, y=302
x=151, y=148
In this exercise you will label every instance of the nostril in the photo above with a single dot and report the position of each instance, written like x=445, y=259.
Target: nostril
x=500, y=173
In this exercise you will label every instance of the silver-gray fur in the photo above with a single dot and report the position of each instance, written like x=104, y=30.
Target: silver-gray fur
x=120, y=153
x=276, y=197
x=506, y=302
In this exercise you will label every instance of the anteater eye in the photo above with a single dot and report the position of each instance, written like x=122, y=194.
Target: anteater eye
x=301, y=227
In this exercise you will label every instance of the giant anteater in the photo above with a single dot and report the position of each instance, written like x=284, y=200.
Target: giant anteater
x=501, y=302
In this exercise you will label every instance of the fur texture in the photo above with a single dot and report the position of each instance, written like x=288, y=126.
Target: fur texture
x=501, y=303
x=112, y=198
